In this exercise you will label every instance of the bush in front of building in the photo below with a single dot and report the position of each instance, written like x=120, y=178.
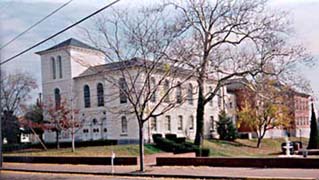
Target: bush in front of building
x=178, y=145
x=180, y=140
x=156, y=136
x=171, y=137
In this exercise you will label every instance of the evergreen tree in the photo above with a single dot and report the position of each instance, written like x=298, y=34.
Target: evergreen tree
x=314, y=138
x=225, y=128
x=10, y=127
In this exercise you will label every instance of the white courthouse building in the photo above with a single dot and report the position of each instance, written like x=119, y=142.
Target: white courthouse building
x=66, y=74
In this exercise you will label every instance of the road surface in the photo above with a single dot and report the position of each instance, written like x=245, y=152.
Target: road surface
x=11, y=175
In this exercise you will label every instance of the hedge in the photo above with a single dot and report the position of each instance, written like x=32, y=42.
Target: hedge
x=16, y=147
x=178, y=145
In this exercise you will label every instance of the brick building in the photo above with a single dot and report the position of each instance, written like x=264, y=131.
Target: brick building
x=298, y=105
x=300, y=111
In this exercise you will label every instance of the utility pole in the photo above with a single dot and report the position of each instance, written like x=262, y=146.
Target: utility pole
x=1, y=142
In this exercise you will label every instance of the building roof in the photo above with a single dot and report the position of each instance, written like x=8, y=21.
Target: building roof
x=69, y=42
x=237, y=84
x=134, y=62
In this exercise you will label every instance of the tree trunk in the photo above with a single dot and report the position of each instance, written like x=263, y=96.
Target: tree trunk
x=200, y=115
x=57, y=140
x=141, y=146
x=259, y=142
x=73, y=140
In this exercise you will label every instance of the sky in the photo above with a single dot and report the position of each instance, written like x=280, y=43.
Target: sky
x=17, y=15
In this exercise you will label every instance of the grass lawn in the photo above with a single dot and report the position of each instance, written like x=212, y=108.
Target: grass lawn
x=244, y=147
x=241, y=147
x=119, y=150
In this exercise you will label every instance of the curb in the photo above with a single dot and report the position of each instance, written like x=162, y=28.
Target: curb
x=178, y=176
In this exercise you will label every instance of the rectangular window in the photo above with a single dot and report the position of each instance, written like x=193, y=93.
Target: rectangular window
x=166, y=89
x=179, y=93
x=180, y=123
x=212, y=124
x=220, y=98
x=153, y=124
x=210, y=91
x=153, y=89
x=191, y=122
x=190, y=94
x=168, y=123
x=123, y=90
x=124, y=124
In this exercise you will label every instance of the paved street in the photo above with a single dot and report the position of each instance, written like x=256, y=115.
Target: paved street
x=10, y=175
x=175, y=171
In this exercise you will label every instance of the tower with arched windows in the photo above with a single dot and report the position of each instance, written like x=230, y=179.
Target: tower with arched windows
x=60, y=64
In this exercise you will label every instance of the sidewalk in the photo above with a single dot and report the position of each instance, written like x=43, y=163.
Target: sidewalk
x=174, y=172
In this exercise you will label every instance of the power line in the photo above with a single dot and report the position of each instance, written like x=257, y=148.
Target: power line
x=37, y=23
x=56, y=34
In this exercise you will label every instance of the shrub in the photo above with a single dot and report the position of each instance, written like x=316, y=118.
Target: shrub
x=15, y=147
x=202, y=152
x=182, y=148
x=165, y=144
x=156, y=136
x=180, y=140
x=171, y=146
x=171, y=137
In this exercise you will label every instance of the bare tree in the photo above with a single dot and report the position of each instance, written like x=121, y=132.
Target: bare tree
x=226, y=39
x=134, y=47
x=15, y=90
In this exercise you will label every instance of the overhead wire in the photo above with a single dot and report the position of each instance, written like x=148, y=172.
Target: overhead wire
x=58, y=33
x=35, y=24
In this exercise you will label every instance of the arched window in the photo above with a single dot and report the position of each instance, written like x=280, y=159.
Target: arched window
x=124, y=124
x=179, y=93
x=60, y=66
x=123, y=90
x=190, y=94
x=100, y=94
x=57, y=98
x=53, y=68
x=166, y=89
x=153, y=91
x=86, y=93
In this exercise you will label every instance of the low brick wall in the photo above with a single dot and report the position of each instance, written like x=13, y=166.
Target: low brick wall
x=310, y=152
x=240, y=162
x=71, y=160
